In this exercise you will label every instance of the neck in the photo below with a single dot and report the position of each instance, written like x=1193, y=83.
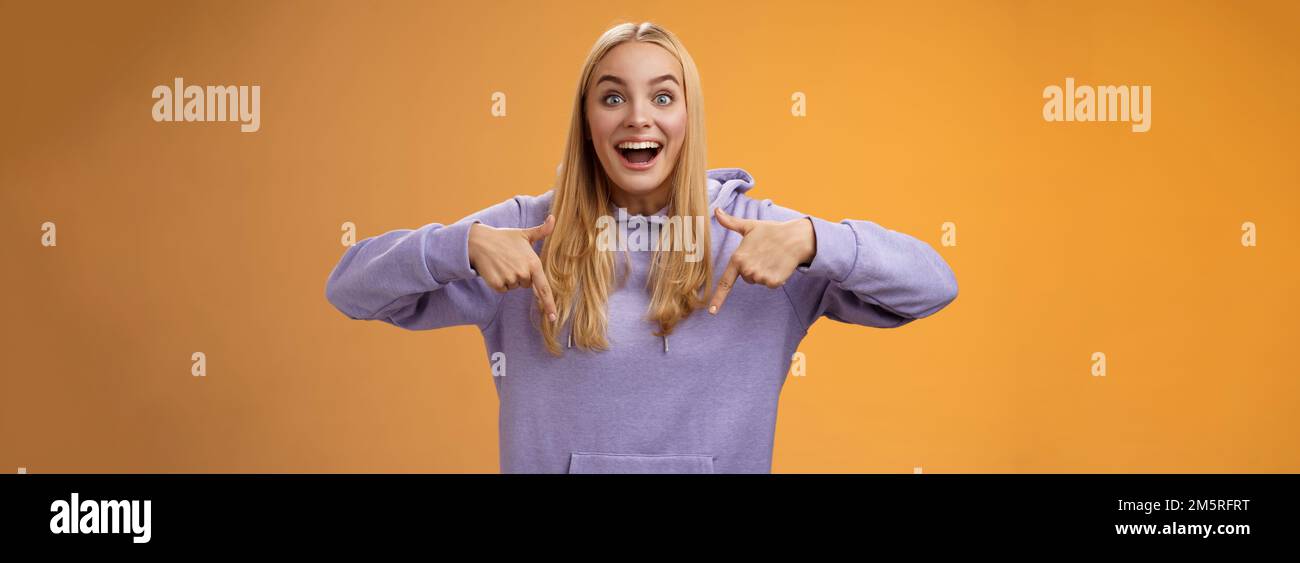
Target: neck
x=642, y=204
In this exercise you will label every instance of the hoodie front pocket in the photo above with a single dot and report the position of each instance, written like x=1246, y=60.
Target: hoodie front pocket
x=599, y=462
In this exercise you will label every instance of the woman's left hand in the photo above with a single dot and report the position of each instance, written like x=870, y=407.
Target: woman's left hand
x=769, y=252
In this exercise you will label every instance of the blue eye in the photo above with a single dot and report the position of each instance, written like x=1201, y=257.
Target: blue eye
x=661, y=95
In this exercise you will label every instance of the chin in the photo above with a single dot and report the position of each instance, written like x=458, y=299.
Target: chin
x=637, y=185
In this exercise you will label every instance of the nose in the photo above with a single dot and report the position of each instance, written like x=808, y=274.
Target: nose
x=639, y=115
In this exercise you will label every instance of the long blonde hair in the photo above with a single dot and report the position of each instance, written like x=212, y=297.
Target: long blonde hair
x=581, y=276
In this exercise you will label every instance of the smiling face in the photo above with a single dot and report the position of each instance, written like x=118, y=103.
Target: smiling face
x=636, y=94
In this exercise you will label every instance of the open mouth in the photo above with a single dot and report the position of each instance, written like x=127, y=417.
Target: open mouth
x=640, y=158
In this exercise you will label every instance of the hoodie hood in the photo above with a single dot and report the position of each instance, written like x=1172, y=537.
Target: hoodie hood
x=725, y=184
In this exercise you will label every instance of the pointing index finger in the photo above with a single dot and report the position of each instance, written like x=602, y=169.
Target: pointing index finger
x=542, y=287
x=725, y=283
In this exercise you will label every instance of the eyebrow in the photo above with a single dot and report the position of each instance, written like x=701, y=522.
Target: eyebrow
x=620, y=81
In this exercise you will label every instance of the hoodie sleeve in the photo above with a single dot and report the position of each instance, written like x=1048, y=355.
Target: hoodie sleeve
x=420, y=279
x=866, y=274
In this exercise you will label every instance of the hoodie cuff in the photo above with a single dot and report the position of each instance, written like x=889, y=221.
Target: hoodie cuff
x=837, y=250
x=446, y=252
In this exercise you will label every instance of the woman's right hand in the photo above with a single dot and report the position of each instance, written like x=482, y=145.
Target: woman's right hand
x=505, y=259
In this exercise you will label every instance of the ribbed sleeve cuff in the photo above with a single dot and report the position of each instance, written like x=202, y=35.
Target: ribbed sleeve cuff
x=446, y=252
x=837, y=250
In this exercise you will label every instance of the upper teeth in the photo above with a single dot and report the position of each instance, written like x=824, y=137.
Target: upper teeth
x=638, y=145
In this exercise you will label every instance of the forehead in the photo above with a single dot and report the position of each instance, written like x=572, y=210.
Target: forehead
x=636, y=62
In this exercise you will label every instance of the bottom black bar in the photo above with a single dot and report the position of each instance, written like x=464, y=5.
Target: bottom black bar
x=1237, y=512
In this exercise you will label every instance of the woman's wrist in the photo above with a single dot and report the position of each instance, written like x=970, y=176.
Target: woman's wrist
x=807, y=237
x=472, y=243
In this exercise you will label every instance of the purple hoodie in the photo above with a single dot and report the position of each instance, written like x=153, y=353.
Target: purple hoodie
x=701, y=400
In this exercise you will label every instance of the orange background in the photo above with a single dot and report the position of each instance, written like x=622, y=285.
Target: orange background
x=1072, y=237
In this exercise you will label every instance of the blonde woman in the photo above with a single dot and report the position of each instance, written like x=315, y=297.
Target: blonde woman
x=623, y=357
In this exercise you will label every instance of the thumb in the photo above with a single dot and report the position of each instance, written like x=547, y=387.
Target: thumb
x=733, y=223
x=541, y=231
